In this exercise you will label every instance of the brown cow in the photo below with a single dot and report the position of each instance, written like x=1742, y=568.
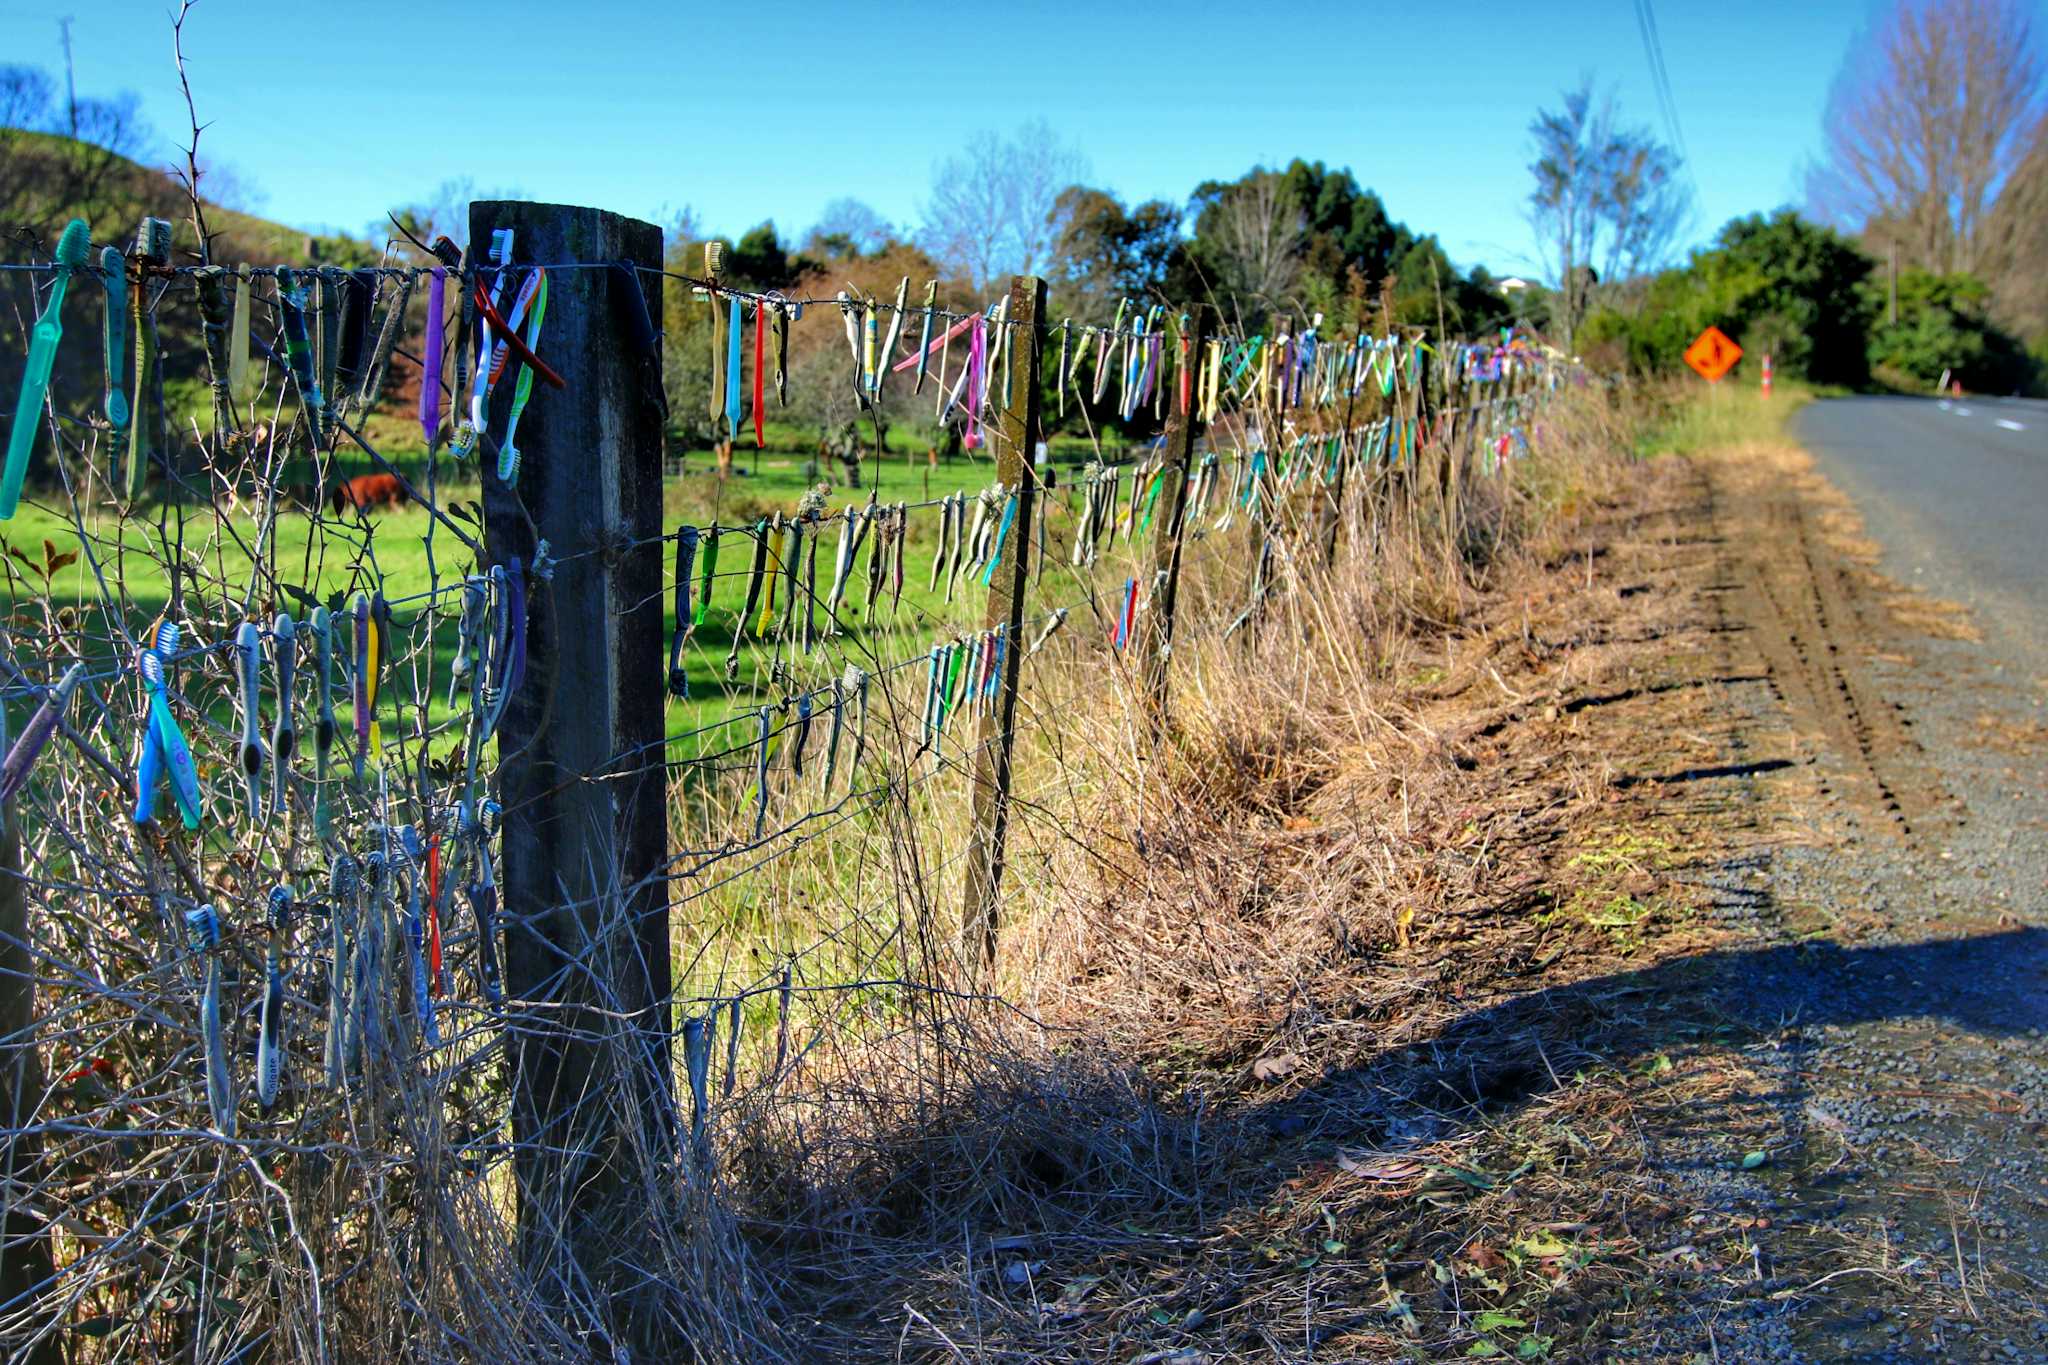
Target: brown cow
x=366, y=491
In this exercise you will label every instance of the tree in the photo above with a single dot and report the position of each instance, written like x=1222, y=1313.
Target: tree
x=444, y=213
x=1249, y=241
x=993, y=207
x=1780, y=285
x=1944, y=327
x=2015, y=254
x=758, y=260
x=1931, y=115
x=25, y=96
x=1107, y=252
x=847, y=227
x=1607, y=204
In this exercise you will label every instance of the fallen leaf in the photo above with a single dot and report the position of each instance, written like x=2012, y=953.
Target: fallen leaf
x=1274, y=1066
x=1372, y=1166
x=1752, y=1160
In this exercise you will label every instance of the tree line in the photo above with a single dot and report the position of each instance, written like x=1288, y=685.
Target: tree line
x=1922, y=250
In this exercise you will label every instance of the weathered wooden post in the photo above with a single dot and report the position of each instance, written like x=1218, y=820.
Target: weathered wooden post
x=1157, y=635
x=581, y=780
x=26, y=1263
x=1015, y=437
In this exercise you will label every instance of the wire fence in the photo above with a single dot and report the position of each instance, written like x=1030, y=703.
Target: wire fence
x=262, y=1046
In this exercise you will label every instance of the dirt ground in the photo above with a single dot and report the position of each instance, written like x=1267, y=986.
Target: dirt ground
x=1697, y=1014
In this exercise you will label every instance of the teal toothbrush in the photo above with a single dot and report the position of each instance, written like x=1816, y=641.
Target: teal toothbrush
x=114, y=275
x=73, y=248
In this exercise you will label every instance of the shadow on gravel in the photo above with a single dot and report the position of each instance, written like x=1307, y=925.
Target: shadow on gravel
x=1503, y=1054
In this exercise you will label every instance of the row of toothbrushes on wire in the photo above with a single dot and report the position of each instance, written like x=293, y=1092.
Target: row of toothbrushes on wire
x=334, y=333
x=378, y=975
x=490, y=655
x=336, y=350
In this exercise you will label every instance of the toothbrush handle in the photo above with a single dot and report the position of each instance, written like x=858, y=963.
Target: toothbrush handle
x=29, y=747
x=140, y=411
x=28, y=413
x=270, y=1043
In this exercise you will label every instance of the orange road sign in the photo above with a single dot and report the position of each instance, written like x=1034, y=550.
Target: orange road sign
x=1712, y=354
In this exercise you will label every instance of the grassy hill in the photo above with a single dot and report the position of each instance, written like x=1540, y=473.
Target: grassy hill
x=47, y=179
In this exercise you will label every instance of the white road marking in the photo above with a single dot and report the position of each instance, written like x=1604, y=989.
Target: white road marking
x=1962, y=412
x=2011, y=425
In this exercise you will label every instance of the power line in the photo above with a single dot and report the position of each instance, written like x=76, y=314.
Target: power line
x=1660, y=85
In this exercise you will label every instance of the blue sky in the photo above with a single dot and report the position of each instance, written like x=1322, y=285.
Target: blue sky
x=335, y=112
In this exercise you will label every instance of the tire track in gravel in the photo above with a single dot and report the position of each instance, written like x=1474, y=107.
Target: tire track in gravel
x=1898, y=1032
x=1813, y=636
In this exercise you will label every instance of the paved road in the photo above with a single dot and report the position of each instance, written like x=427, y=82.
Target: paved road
x=1957, y=494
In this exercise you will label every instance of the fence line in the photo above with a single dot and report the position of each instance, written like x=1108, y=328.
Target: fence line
x=269, y=965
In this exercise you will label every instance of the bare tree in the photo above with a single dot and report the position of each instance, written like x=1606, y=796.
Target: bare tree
x=1930, y=115
x=1564, y=208
x=25, y=95
x=848, y=227
x=1608, y=202
x=2014, y=255
x=1257, y=239
x=1644, y=206
x=994, y=208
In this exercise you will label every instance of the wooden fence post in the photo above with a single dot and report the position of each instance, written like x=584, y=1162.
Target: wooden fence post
x=582, y=780
x=1015, y=438
x=26, y=1264
x=1157, y=636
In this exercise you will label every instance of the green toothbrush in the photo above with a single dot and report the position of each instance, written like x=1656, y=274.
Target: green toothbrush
x=114, y=274
x=72, y=250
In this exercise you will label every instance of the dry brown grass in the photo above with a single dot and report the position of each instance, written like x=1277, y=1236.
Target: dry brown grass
x=1270, y=987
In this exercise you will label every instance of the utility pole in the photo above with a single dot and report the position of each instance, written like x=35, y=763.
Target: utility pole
x=70, y=77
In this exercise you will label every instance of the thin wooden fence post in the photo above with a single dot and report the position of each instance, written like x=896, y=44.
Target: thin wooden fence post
x=1015, y=439
x=582, y=779
x=1167, y=535
x=27, y=1265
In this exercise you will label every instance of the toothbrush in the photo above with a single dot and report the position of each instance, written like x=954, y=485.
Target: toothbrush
x=284, y=734
x=323, y=713
x=249, y=677
x=415, y=937
x=202, y=933
x=238, y=334
x=73, y=249
x=163, y=745
x=924, y=336
x=482, y=895
x=363, y=691
x=29, y=745
x=270, y=1036
x=114, y=275
x=522, y=387
x=298, y=349
x=895, y=335
x=344, y=881
x=430, y=382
